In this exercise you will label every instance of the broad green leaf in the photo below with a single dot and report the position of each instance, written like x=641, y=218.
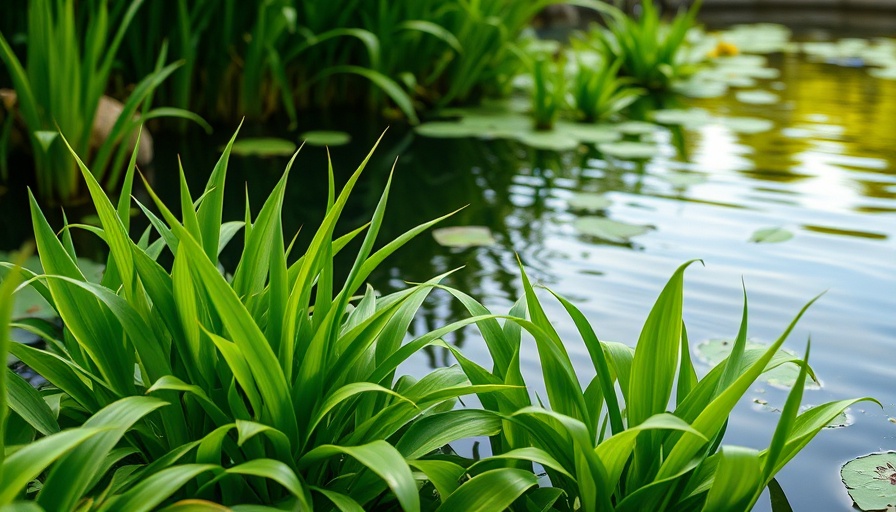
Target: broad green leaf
x=152, y=491
x=444, y=475
x=437, y=430
x=738, y=480
x=489, y=491
x=25, y=401
x=26, y=464
x=381, y=458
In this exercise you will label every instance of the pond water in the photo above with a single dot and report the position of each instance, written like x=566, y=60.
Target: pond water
x=826, y=173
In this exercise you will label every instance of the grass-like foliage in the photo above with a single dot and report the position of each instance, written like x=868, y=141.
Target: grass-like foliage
x=182, y=387
x=597, y=91
x=548, y=90
x=67, y=68
x=651, y=51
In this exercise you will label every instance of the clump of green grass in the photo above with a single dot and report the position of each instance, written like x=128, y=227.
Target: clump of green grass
x=651, y=51
x=183, y=386
x=598, y=93
x=67, y=69
x=548, y=90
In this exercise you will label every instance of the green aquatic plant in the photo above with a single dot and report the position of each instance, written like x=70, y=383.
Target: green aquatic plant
x=598, y=93
x=273, y=385
x=646, y=433
x=548, y=91
x=652, y=52
x=59, y=88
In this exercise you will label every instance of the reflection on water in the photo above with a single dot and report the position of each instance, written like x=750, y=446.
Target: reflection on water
x=826, y=172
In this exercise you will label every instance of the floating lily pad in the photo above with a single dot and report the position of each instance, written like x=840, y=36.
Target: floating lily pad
x=589, y=202
x=629, y=150
x=870, y=481
x=747, y=124
x=608, y=229
x=463, y=236
x=701, y=88
x=590, y=133
x=757, y=97
x=550, y=140
x=325, y=138
x=263, y=146
x=636, y=127
x=684, y=179
x=714, y=351
x=445, y=130
x=771, y=235
x=690, y=118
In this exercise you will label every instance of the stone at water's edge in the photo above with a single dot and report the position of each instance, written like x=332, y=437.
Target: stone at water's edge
x=107, y=112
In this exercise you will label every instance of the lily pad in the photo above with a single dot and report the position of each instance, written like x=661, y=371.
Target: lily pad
x=701, y=88
x=445, y=130
x=747, y=125
x=771, y=235
x=263, y=146
x=870, y=481
x=684, y=179
x=690, y=118
x=714, y=351
x=590, y=133
x=608, y=229
x=628, y=150
x=463, y=236
x=757, y=97
x=550, y=140
x=636, y=127
x=589, y=202
x=325, y=138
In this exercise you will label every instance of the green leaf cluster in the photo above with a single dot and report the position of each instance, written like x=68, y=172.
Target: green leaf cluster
x=68, y=65
x=182, y=387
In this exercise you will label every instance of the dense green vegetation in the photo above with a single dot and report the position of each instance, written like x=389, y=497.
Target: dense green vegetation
x=175, y=383
x=277, y=386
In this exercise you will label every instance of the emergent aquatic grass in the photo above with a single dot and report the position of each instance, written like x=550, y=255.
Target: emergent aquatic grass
x=185, y=387
x=67, y=69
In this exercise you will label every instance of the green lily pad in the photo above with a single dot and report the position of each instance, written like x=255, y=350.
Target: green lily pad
x=771, y=235
x=701, y=88
x=870, y=481
x=263, y=146
x=549, y=140
x=757, y=97
x=590, y=133
x=690, y=118
x=445, y=130
x=608, y=229
x=684, y=179
x=628, y=150
x=714, y=351
x=463, y=236
x=325, y=138
x=747, y=125
x=637, y=127
x=589, y=202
